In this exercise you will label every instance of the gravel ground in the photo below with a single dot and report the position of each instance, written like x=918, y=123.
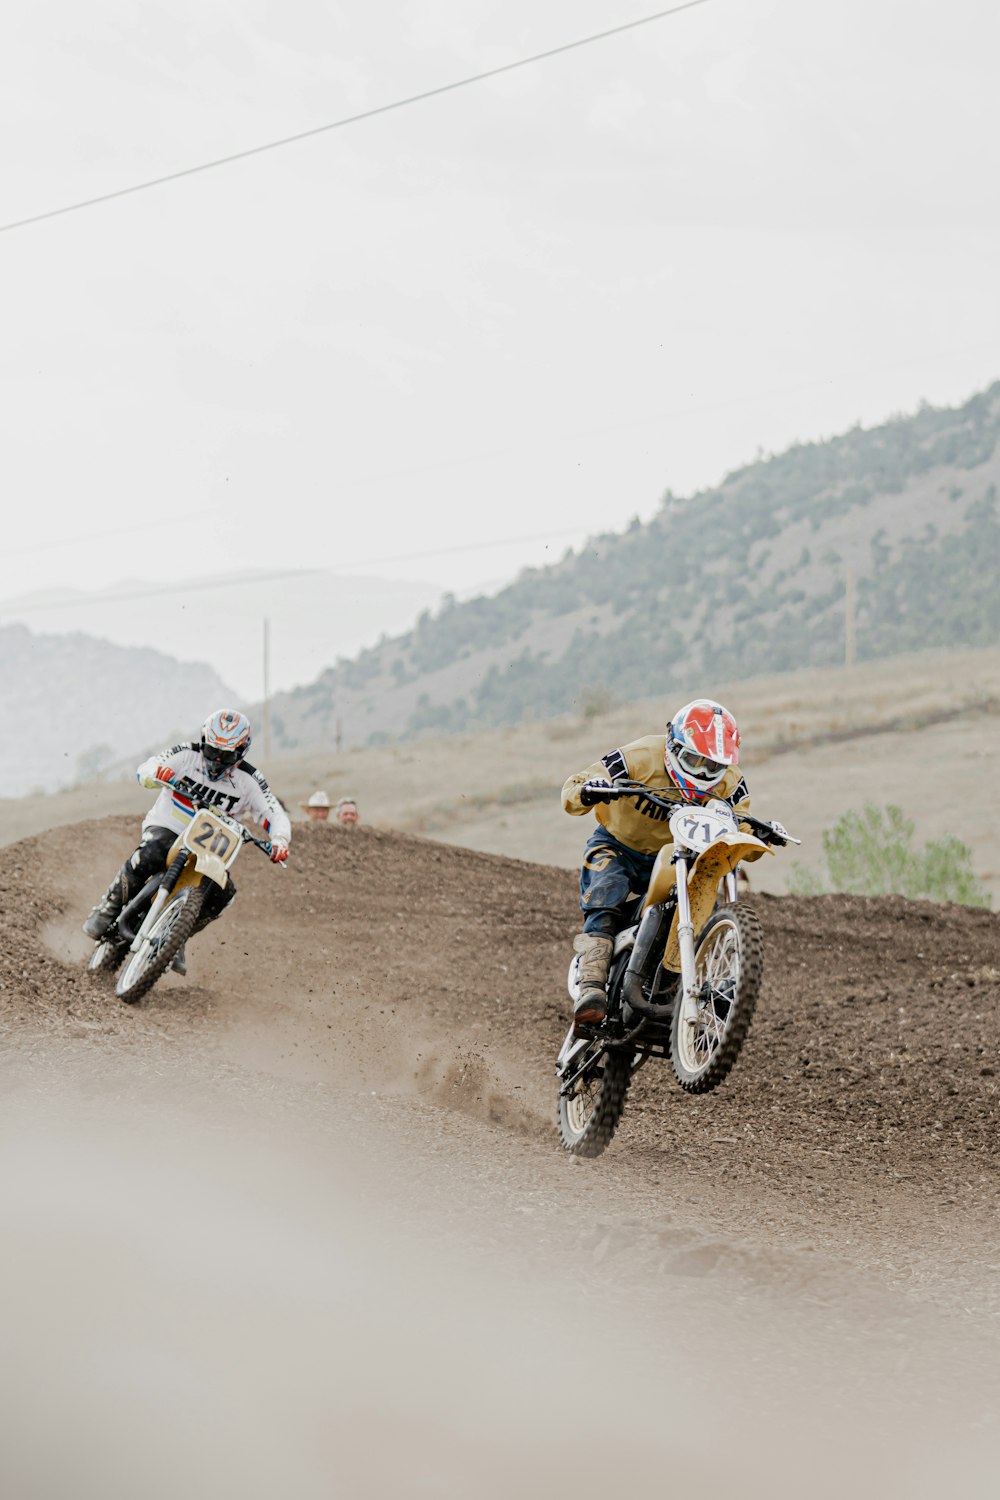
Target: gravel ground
x=826, y=1218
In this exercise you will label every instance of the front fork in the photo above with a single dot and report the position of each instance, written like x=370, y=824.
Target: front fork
x=685, y=941
x=160, y=900
x=685, y=937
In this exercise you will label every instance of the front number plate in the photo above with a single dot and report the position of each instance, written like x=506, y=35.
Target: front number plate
x=206, y=834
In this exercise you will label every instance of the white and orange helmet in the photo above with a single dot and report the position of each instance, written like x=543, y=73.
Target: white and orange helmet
x=702, y=743
x=225, y=740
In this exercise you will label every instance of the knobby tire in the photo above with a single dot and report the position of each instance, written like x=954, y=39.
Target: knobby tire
x=180, y=931
x=742, y=919
x=106, y=957
x=609, y=1105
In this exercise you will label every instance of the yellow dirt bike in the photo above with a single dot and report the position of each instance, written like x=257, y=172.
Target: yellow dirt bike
x=170, y=903
x=684, y=976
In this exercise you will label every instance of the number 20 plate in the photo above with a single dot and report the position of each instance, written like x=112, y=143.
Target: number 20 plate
x=206, y=834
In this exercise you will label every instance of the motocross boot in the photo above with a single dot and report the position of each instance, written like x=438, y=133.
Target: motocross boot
x=110, y=906
x=595, y=955
x=102, y=918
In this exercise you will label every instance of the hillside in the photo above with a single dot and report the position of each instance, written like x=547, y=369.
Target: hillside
x=76, y=705
x=816, y=745
x=746, y=578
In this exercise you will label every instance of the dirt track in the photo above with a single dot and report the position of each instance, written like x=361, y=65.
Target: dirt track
x=833, y=1205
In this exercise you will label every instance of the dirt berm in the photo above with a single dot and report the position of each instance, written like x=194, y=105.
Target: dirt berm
x=859, y=1127
x=400, y=962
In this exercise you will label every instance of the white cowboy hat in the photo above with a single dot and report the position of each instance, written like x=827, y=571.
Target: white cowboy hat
x=318, y=799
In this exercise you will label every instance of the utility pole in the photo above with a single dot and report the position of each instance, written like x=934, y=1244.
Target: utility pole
x=849, y=617
x=267, y=689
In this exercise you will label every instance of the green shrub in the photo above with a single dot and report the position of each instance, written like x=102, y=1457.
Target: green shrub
x=870, y=853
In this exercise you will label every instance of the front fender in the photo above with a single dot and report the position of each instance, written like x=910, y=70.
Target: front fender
x=703, y=885
x=202, y=866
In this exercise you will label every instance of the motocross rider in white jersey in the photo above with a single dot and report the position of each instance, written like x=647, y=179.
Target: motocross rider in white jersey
x=214, y=770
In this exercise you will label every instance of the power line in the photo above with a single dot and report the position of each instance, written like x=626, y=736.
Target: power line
x=97, y=536
x=367, y=114
x=385, y=476
x=748, y=399
x=12, y=608
x=153, y=592
x=504, y=541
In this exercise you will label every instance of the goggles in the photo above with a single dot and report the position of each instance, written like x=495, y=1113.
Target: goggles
x=219, y=757
x=699, y=765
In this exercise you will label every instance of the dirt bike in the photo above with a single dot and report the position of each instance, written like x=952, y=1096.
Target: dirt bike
x=170, y=903
x=699, y=1017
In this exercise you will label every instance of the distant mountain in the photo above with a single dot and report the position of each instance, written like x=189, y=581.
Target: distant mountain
x=753, y=576
x=75, y=706
x=315, y=617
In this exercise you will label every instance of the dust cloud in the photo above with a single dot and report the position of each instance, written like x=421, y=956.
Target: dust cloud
x=300, y=1224
x=198, y=1304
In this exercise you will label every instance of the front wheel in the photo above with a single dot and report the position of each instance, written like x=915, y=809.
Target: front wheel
x=729, y=963
x=589, y=1115
x=171, y=929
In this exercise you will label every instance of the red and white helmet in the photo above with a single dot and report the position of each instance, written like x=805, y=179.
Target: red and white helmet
x=702, y=743
x=225, y=739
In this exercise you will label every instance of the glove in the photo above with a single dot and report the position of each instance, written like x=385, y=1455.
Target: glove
x=597, y=791
x=279, y=851
x=778, y=835
x=162, y=776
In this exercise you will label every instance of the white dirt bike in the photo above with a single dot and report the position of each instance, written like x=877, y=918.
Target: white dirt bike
x=170, y=903
x=688, y=920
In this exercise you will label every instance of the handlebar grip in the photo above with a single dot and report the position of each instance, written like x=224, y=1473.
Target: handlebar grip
x=592, y=793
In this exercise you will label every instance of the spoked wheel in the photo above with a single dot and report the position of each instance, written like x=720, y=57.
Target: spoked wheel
x=172, y=928
x=106, y=957
x=588, y=1117
x=729, y=963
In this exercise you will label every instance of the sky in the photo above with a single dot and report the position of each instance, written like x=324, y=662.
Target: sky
x=453, y=340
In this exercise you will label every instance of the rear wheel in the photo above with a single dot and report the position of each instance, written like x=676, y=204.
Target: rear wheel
x=589, y=1115
x=171, y=929
x=729, y=964
x=106, y=957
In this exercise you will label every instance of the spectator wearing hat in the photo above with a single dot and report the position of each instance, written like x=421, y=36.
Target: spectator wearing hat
x=346, y=812
x=317, y=809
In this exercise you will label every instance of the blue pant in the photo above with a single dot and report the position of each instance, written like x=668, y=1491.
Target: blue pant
x=609, y=872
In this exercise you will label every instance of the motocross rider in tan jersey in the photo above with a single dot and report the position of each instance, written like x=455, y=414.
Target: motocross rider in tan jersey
x=695, y=759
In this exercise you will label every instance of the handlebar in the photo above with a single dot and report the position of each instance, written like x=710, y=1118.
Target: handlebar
x=759, y=826
x=243, y=833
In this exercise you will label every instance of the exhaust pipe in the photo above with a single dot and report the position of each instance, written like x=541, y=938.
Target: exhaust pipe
x=129, y=911
x=650, y=931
